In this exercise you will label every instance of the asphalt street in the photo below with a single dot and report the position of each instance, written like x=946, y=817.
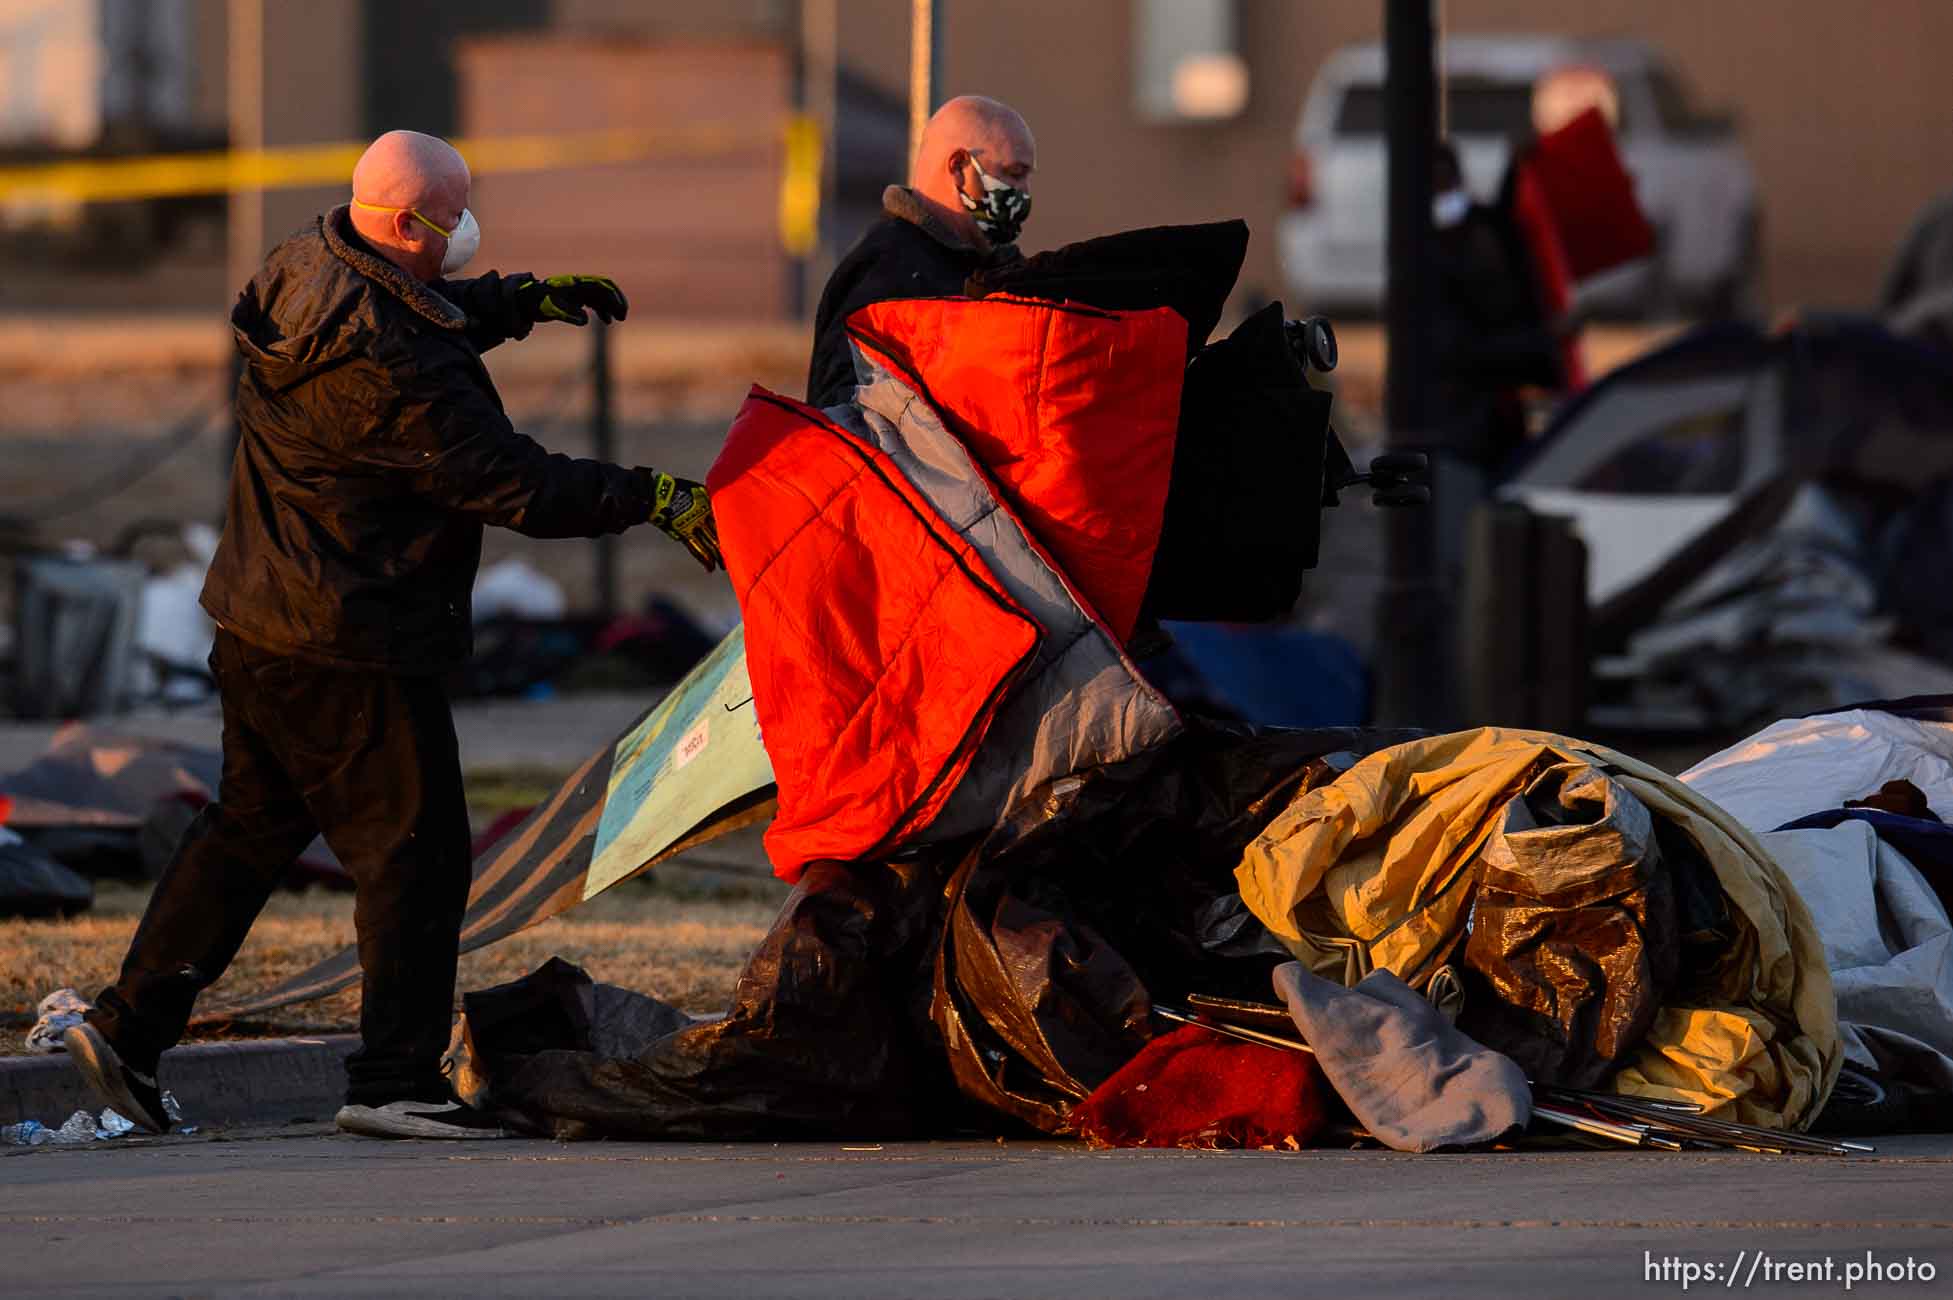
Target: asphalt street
x=302, y=1212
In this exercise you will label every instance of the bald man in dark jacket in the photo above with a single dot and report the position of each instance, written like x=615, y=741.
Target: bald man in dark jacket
x=968, y=197
x=373, y=449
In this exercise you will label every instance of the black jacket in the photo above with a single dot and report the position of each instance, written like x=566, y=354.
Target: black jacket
x=904, y=254
x=372, y=449
x=1491, y=336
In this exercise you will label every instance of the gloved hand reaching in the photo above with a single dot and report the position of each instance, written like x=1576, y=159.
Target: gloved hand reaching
x=565, y=298
x=683, y=513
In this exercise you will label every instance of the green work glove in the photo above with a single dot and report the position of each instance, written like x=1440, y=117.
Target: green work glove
x=681, y=510
x=565, y=297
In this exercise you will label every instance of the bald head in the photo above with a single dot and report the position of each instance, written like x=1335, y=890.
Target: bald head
x=409, y=172
x=406, y=169
x=971, y=127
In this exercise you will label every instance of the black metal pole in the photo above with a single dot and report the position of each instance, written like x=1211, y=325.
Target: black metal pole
x=603, y=446
x=1413, y=642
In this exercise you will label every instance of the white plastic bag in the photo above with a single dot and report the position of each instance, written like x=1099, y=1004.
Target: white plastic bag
x=59, y=1012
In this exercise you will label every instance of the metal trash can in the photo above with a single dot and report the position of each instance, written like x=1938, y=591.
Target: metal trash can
x=1524, y=629
x=74, y=634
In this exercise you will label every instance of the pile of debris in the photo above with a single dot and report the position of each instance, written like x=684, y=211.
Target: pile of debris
x=1018, y=868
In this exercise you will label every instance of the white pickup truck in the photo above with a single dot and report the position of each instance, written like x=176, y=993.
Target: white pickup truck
x=1690, y=173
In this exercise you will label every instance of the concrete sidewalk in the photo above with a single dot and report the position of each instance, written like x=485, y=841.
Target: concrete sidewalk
x=317, y=1215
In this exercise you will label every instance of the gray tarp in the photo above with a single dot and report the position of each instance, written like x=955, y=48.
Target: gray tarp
x=1888, y=943
x=1886, y=935
x=1785, y=622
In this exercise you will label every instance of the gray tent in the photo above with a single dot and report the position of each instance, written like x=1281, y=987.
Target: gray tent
x=1752, y=500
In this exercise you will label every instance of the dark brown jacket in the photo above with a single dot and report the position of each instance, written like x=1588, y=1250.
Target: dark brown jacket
x=372, y=449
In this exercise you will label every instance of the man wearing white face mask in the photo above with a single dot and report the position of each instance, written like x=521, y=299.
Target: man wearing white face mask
x=372, y=450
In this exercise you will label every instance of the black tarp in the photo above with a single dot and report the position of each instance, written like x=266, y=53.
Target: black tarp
x=1254, y=452
x=1007, y=977
x=32, y=884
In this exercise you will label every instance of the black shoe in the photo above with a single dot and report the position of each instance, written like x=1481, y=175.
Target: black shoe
x=129, y=1093
x=444, y=1120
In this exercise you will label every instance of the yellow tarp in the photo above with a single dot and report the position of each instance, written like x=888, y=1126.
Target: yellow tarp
x=1376, y=870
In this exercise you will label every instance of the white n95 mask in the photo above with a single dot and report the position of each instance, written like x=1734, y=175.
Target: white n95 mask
x=463, y=242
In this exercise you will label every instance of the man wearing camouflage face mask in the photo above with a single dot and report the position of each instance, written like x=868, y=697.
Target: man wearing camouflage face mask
x=965, y=203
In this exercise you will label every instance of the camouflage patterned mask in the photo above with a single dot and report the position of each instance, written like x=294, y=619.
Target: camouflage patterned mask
x=1000, y=213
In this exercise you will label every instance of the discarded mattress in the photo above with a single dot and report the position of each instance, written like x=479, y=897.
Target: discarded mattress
x=1609, y=873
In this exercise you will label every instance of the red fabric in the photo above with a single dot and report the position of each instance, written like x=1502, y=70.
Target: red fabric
x=879, y=644
x=1195, y=1088
x=1575, y=206
x=1071, y=410
x=1589, y=195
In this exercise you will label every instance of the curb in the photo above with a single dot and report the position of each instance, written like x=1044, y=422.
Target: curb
x=259, y=1081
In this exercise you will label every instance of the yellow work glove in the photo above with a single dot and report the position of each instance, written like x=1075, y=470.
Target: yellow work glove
x=681, y=510
x=566, y=298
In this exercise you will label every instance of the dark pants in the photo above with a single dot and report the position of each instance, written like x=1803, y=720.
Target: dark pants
x=370, y=761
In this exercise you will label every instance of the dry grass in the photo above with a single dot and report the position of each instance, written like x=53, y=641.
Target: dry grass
x=686, y=950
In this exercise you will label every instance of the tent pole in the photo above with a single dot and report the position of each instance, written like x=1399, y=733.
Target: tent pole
x=1413, y=668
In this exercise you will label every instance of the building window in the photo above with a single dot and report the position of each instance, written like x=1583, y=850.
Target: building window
x=1187, y=64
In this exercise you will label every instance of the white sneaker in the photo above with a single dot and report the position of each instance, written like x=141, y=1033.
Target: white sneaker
x=445, y=1120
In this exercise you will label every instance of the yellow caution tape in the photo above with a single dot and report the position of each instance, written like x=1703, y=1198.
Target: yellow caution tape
x=800, y=187
x=175, y=175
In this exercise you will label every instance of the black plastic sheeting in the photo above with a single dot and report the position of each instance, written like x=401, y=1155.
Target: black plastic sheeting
x=1251, y=464
x=1254, y=451
x=934, y=993
x=32, y=884
x=824, y=1037
x=1191, y=269
x=1084, y=906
